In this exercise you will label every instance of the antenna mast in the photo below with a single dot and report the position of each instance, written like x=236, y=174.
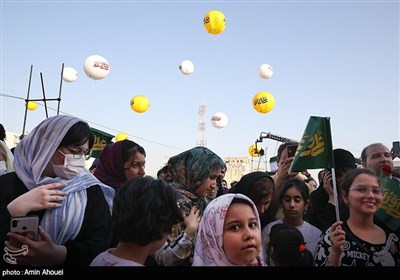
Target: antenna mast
x=201, y=138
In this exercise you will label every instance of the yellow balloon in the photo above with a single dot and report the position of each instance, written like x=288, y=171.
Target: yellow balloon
x=214, y=22
x=263, y=102
x=140, y=104
x=121, y=136
x=254, y=150
x=32, y=105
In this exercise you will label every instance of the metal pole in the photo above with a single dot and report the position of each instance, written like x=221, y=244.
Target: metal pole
x=59, y=93
x=44, y=95
x=26, y=102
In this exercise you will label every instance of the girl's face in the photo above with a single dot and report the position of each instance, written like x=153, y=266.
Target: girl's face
x=365, y=195
x=242, y=235
x=209, y=185
x=293, y=204
x=135, y=166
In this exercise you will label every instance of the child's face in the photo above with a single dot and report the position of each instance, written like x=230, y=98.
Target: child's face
x=242, y=235
x=293, y=204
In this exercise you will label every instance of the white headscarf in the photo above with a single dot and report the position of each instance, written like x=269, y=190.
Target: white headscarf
x=31, y=157
x=208, y=250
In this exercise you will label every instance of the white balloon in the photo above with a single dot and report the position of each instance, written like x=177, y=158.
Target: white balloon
x=219, y=120
x=69, y=74
x=265, y=71
x=96, y=67
x=186, y=67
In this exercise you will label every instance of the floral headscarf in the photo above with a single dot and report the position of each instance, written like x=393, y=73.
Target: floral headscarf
x=191, y=169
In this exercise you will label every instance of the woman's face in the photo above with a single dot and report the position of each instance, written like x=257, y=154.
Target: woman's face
x=209, y=185
x=135, y=166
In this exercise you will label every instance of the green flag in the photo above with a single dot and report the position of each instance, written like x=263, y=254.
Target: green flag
x=101, y=139
x=315, y=148
x=389, y=212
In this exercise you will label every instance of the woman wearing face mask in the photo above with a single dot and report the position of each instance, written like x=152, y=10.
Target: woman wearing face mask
x=50, y=181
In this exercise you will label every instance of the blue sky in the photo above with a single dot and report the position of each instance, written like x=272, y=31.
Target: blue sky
x=337, y=59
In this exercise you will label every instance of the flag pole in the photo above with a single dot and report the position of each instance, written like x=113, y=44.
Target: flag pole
x=335, y=194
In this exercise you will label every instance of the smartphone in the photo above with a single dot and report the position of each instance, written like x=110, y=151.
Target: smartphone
x=25, y=225
x=291, y=150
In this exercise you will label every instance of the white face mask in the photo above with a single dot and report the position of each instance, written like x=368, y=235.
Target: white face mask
x=72, y=166
x=3, y=167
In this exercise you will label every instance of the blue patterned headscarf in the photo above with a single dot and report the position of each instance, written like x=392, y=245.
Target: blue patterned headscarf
x=32, y=155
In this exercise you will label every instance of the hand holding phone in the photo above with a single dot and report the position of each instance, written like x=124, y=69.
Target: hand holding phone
x=25, y=225
x=291, y=150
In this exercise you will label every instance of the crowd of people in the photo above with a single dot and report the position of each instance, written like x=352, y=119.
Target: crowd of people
x=116, y=215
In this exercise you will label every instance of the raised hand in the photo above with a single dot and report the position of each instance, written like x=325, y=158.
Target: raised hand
x=192, y=221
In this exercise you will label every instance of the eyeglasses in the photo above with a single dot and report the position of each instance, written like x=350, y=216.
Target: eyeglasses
x=365, y=190
x=79, y=152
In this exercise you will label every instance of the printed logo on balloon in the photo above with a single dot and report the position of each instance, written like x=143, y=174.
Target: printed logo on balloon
x=219, y=120
x=214, y=22
x=263, y=102
x=96, y=67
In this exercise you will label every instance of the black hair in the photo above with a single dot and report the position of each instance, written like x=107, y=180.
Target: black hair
x=77, y=135
x=299, y=184
x=144, y=209
x=129, y=149
x=286, y=247
x=2, y=132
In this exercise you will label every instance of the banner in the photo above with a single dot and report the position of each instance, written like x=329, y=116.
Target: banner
x=101, y=139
